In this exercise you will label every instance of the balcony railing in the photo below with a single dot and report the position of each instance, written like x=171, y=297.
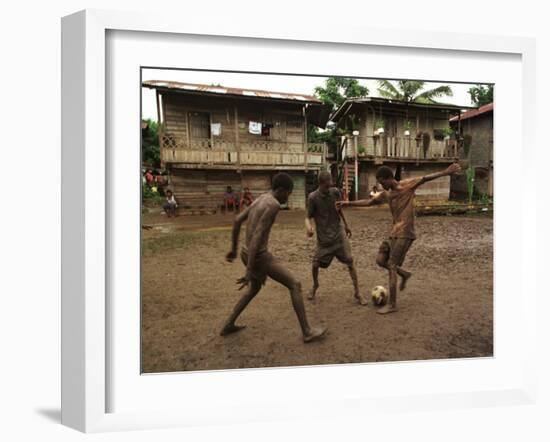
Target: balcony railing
x=221, y=152
x=402, y=147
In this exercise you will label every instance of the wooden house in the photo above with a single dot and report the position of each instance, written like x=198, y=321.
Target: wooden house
x=214, y=136
x=412, y=138
x=475, y=129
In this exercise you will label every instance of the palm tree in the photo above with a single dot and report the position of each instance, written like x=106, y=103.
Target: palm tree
x=412, y=91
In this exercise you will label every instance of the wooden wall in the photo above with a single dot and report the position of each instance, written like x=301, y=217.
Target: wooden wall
x=297, y=199
x=204, y=189
x=287, y=119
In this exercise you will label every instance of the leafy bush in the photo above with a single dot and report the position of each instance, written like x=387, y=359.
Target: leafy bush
x=485, y=199
x=150, y=195
x=150, y=151
x=448, y=132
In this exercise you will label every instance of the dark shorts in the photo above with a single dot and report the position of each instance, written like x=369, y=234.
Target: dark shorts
x=395, y=250
x=261, y=267
x=325, y=254
x=169, y=207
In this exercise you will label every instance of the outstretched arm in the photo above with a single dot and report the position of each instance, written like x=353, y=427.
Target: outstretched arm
x=362, y=203
x=451, y=170
x=239, y=220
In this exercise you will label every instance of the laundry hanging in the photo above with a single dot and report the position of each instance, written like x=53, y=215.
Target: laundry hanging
x=255, y=128
x=266, y=129
x=216, y=129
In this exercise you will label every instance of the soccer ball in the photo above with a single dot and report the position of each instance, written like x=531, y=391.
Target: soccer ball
x=379, y=296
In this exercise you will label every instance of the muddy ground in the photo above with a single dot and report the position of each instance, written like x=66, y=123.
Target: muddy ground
x=188, y=290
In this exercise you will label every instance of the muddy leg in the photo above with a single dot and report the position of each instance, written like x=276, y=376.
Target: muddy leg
x=315, y=275
x=382, y=261
x=404, y=277
x=391, y=306
x=229, y=325
x=353, y=275
x=284, y=277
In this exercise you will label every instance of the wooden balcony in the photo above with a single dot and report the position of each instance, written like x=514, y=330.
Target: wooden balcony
x=222, y=154
x=403, y=148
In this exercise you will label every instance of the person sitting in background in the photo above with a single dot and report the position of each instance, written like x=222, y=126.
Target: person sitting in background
x=246, y=199
x=149, y=178
x=230, y=199
x=171, y=204
x=161, y=181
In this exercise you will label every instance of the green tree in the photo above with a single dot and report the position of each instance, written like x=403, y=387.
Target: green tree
x=412, y=91
x=337, y=89
x=334, y=92
x=150, y=151
x=481, y=94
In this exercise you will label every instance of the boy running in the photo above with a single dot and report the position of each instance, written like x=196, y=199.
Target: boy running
x=392, y=251
x=260, y=263
x=332, y=234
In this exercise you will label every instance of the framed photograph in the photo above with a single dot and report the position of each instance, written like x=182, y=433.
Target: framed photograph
x=249, y=214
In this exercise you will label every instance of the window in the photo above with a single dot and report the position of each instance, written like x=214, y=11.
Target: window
x=199, y=125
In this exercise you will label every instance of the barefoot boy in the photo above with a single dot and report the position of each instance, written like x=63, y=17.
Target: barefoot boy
x=332, y=234
x=400, y=196
x=259, y=262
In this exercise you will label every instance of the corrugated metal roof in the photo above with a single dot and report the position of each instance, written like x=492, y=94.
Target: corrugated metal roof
x=474, y=112
x=233, y=91
x=346, y=106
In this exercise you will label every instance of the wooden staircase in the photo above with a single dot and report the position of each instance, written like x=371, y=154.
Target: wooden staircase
x=346, y=172
x=348, y=184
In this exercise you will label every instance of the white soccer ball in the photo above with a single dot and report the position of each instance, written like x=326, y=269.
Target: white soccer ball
x=379, y=296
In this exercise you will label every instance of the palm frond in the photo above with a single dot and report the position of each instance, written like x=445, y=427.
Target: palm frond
x=387, y=90
x=410, y=88
x=430, y=95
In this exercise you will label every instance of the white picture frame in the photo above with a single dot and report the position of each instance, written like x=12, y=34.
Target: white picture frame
x=86, y=353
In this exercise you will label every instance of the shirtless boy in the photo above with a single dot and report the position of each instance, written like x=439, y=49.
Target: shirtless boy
x=332, y=233
x=400, y=196
x=260, y=263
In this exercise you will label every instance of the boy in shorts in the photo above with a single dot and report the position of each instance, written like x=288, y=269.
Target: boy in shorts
x=260, y=263
x=333, y=233
x=400, y=197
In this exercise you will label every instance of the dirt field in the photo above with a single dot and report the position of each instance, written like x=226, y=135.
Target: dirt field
x=188, y=290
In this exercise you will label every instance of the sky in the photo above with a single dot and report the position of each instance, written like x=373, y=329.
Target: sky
x=275, y=83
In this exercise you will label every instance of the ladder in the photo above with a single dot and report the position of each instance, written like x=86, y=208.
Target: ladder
x=346, y=171
x=349, y=179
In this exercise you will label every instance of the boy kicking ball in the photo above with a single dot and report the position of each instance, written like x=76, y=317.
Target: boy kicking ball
x=261, y=264
x=400, y=197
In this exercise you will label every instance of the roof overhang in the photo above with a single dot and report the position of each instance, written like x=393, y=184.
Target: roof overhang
x=474, y=113
x=230, y=92
x=347, y=106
